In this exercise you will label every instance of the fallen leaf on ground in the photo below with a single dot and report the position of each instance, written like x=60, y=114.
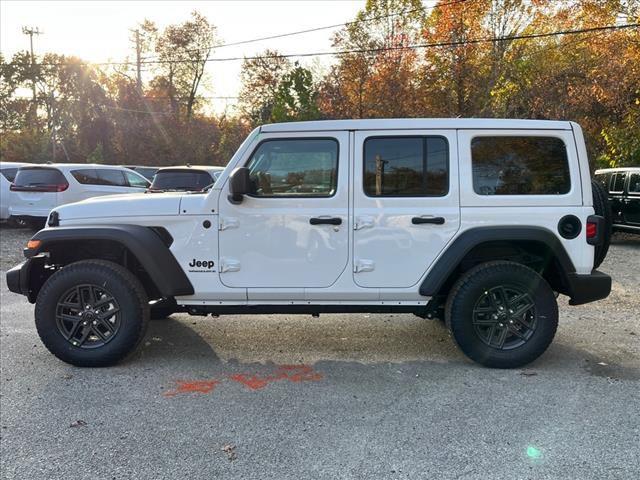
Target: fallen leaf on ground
x=230, y=450
x=78, y=423
x=528, y=373
x=603, y=364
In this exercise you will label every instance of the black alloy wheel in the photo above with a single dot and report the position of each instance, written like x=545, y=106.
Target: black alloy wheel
x=504, y=317
x=88, y=316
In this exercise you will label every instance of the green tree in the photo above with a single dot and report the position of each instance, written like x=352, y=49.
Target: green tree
x=260, y=78
x=295, y=99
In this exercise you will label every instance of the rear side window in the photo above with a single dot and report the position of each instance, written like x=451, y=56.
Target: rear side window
x=86, y=176
x=617, y=182
x=634, y=183
x=406, y=167
x=183, y=180
x=100, y=176
x=39, y=177
x=512, y=165
x=9, y=173
x=112, y=178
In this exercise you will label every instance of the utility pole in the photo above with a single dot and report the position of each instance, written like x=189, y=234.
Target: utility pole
x=31, y=32
x=138, y=60
x=53, y=128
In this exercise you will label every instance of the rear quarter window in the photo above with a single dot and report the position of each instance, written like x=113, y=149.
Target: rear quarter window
x=9, y=173
x=520, y=165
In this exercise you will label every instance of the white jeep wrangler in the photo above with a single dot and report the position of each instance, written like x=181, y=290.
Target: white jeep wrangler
x=479, y=222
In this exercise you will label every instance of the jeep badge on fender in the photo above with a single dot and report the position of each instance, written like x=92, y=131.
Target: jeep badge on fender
x=481, y=223
x=206, y=264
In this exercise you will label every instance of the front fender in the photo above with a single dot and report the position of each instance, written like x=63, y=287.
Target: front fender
x=149, y=247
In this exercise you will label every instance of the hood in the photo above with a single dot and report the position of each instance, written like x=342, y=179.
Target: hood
x=128, y=205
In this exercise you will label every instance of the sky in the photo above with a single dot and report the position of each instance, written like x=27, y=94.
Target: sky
x=99, y=31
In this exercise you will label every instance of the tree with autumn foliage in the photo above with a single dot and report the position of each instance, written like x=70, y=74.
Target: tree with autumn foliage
x=396, y=58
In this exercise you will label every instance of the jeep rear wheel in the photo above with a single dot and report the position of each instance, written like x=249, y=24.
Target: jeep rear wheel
x=502, y=314
x=92, y=313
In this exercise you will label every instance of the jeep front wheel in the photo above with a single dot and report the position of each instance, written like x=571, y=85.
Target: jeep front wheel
x=502, y=314
x=92, y=313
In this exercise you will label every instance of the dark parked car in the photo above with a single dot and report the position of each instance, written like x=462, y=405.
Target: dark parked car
x=146, y=172
x=188, y=178
x=623, y=186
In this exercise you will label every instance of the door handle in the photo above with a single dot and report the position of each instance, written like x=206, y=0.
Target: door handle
x=325, y=221
x=421, y=220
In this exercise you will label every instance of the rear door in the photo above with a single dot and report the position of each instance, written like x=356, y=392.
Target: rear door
x=631, y=202
x=616, y=195
x=406, y=204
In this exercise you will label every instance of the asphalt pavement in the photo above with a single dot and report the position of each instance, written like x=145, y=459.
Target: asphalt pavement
x=340, y=396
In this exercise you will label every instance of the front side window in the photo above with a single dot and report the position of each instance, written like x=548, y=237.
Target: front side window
x=406, y=167
x=511, y=165
x=136, y=180
x=295, y=167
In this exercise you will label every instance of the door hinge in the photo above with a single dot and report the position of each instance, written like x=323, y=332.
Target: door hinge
x=363, y=222
x=362, y=265
x=229, y=265
x=228, y=222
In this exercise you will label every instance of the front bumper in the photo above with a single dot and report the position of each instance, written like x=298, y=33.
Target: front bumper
x=588, y=288
x=28, y=277
x=18, y=278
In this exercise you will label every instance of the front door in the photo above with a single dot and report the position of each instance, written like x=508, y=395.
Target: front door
x=406, y=204
x=292, y=230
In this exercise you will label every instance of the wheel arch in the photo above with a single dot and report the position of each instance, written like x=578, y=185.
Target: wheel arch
x=142, y=250
x=535, y=247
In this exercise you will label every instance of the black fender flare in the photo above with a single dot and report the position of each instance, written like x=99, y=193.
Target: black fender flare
x=148, y=246
x=446, y=264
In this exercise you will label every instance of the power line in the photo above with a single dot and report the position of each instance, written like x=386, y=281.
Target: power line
x=328, y=27
x=453, y=43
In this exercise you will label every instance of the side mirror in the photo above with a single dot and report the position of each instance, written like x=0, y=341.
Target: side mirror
x=239, y=184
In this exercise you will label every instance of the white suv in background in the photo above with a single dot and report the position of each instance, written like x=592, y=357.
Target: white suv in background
x=8, y=172
x=38, y=189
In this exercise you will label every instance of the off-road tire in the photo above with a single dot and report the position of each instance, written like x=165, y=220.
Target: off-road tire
x=123, y=286
x=470, y=288
x=602, y=207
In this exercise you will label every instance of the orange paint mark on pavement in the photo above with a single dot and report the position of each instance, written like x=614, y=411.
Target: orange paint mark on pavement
x=293, y=373
x=202, y=386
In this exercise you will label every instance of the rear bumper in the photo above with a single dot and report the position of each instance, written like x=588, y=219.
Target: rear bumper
x=588, y=288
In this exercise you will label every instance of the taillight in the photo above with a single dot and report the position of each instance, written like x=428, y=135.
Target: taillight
x=596, y=230
x=59, y=187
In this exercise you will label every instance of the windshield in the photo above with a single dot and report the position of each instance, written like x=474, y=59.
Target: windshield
x=182, y=180
x=30, y=177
